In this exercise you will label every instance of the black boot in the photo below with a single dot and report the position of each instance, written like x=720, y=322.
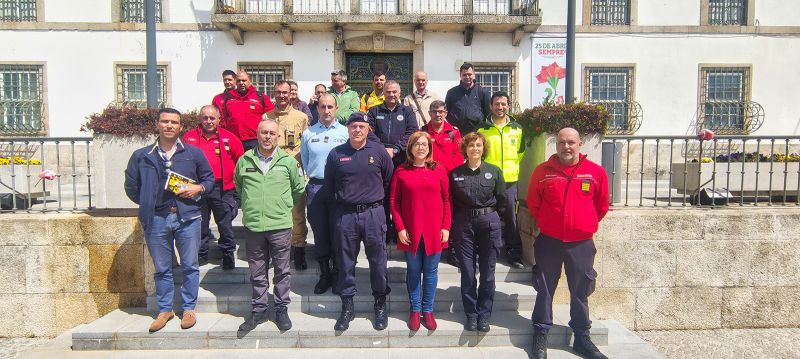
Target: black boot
x=282, y=318
x=452, y=258
x=253, y=321
x=381, y=313
x=343, y=322
x=539, y=346
x=583, y=345
x=299, y=254
x=325, y=280
x=228, y=261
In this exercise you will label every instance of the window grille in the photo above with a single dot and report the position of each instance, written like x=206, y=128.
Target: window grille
x=379, y=7
x=17, y=10
x=264, y=76
x=494, y=79
x=21, y=99
x=133, y=10
x=611, y=12
x=611, y=87
x=132, y=87
x=723, y=97
x=727, y=12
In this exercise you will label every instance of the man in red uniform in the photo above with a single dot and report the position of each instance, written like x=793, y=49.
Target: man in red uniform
x=446, y=138
x=568, y=196
x=222, y=149
x=242, y=110
x=229, y=82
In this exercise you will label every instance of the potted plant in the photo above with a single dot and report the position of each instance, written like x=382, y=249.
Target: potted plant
x=117, y=132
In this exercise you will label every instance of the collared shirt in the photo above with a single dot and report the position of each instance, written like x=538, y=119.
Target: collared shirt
x=371, y=100
x=291, y=124
x=221, y=156
x=358, y=176
x=263, y=161
x=317, y=142
x=478, y=188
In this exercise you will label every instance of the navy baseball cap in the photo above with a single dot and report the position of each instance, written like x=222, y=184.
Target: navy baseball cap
x=357, y=117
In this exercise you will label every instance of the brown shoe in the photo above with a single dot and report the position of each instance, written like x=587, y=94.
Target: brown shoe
x=161, y=321
x=189, y=319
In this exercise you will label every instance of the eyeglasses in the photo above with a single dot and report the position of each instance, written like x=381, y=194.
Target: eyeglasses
x=420, y=144
x=437, y=111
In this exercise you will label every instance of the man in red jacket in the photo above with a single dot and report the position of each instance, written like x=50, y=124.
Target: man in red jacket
x=229, y=82
x=568, y=196
x=242, y=110
x=446, y=138
x=222, y=149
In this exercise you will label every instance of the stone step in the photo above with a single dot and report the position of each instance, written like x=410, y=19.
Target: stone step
x=212, y=273
x=127, y=330
x=235, y=298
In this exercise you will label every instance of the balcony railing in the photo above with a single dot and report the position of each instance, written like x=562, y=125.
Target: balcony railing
x=373, y=7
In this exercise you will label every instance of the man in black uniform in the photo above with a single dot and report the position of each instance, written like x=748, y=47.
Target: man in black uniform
x=393, y=124
x=479, y=199
x=358, y=174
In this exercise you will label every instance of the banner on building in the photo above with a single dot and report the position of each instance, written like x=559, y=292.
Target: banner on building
x=549, y=69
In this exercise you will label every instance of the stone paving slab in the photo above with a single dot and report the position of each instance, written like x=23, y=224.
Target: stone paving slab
x=215, y=330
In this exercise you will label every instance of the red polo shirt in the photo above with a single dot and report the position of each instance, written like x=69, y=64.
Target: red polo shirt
x=446, y=145
x=222, y=157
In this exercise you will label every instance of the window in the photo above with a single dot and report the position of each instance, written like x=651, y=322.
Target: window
x=611, y=12
x=21, y=104
x=490, y=7
x=133, y=10
x=264, y=75
x=727, y=12
x=17, y=10
x=131, y=86
x=611, y=87
x=498, y=78
x=379, y=6
x=723, y=97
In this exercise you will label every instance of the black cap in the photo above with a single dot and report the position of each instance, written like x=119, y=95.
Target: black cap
x=357, y=117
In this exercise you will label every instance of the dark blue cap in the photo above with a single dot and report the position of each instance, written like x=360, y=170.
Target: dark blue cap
x=357, y=117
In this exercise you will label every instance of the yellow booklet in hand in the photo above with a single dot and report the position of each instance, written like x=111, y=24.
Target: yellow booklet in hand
x=177, y=182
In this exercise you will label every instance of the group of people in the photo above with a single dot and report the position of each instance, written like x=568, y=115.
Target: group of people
x=374, y=169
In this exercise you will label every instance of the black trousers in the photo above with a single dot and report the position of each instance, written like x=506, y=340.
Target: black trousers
x=578, y=261
x=477, y=244
x=225, y=209
x=350, y=229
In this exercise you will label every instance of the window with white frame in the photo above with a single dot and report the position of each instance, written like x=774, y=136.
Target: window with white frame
x=611, y=12
x=727, y=12
x=132, y=85
x=134, y=10
x=21, y=98
x=723, y=95
x=264, y=75
x=611, y=87
x=17, y=10
x=497, y=78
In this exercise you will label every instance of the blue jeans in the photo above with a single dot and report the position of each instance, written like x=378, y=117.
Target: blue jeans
x=164, y=235
x=425, y=269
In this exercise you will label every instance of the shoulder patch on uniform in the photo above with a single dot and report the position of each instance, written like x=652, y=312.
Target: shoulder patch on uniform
x=400, y=117
x=487, y=175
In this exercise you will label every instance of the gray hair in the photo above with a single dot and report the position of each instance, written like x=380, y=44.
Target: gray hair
x=392, y=83
x=340, y=73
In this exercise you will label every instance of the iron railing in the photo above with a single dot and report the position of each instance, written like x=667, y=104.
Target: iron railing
x=45, y=174
x=133, y=10
x=727, y=12
x=654, y=171
x=377, y=7
x=611, y=12
x=17, y=10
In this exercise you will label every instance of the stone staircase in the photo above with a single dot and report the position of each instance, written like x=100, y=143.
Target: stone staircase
x=224, y=302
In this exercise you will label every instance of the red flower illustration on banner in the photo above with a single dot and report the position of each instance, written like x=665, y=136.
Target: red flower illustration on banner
x=550, y=74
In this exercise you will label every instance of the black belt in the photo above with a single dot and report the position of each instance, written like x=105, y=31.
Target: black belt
x=360, y=207
x=316, y=180
x=475, y=212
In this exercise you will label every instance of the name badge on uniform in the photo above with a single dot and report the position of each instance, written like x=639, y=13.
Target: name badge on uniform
x=345, y=159
x=458, y=178
x=487, y=176
x=314, y=140
x=371, y=160
x=325, y=140
x=252, y=106
x=216, y=150
x=250, y=170
x=400, y=117
x=586, y=185
x=380, y=117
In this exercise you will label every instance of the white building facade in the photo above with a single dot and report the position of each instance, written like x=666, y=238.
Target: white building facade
x=684, y=63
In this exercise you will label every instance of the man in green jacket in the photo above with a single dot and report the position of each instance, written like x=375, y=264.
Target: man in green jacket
x=506, y=147
x=346, y=99
x=269, y=182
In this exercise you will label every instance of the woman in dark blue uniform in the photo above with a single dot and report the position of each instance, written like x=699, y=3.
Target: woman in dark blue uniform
x=478, y=197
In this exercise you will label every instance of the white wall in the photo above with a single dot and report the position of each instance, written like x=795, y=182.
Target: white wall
x=777, y=13
x=668, y=13
x=77, y=11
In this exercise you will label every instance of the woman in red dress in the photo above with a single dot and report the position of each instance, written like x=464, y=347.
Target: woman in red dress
x=420, y=206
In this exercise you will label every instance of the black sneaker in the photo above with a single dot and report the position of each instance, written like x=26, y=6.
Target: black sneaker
x=253, y=321
x=583, y=345
x=483, y=325
x=282, y=318
x=539, y=346
x=471, y=325
x=202, y=261
x=228, y=262
x=515, y=262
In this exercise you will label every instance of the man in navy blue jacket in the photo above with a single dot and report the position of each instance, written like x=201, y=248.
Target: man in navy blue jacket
x=170, y=218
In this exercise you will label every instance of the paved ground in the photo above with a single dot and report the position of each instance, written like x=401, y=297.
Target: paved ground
x=727, y=343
